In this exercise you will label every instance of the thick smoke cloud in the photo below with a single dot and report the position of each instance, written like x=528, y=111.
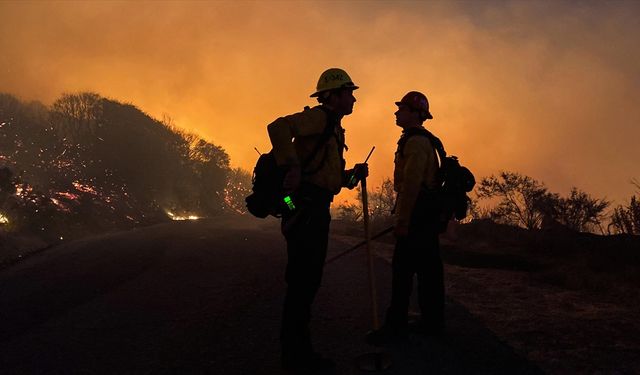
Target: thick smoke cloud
x=548, y=89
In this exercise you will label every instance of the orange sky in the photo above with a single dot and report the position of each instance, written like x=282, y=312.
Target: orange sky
x=549, y=89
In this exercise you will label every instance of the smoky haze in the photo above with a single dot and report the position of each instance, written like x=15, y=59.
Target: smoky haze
x=548, y=89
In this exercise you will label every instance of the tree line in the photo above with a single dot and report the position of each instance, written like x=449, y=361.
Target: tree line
x=88, y=163
x=515, y=199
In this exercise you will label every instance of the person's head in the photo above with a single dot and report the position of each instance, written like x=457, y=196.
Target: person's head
x=413, y=110
x=335, y=90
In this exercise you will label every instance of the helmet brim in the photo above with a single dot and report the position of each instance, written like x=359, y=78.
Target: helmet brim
x=429, y=116
x=317, y=93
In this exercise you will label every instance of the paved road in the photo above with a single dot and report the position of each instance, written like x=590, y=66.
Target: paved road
x=203, y=297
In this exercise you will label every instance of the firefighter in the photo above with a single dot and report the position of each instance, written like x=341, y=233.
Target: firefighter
x=416, y=227
x=309, y=145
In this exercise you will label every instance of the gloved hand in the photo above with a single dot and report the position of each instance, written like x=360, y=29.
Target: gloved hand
x=292, y=179
x=357, y=174
x=361, y=171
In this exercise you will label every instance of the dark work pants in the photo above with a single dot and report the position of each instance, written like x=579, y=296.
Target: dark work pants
x=417, y=254
x=307, y=233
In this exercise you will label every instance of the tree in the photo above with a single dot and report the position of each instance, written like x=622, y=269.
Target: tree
x=526, y=202
x=626, y=218
x=382, y=200
x=522, y=200
x=76, y=115
x=211, y=165
x=237, y=189
x=93, y=162
x=580, y=212
x=381, y=203
x=350, y=212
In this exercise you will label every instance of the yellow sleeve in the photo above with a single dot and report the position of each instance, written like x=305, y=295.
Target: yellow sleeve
x=284, y=130
x=417, y=155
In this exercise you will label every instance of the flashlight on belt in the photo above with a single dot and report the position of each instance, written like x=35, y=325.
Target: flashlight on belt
x=289, y=203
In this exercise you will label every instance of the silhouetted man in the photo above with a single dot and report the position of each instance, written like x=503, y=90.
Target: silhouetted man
x=310, y=146
x=417, y=225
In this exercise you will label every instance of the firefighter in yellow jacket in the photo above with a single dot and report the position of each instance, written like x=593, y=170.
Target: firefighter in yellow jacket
x=309, y=145
x=416, y=227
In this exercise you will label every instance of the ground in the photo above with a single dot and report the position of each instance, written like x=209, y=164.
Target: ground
x=205, y=297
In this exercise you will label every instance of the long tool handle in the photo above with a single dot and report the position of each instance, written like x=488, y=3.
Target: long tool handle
x=367, y=236
x=353, y=175
x=370, y=152
x=356, y=246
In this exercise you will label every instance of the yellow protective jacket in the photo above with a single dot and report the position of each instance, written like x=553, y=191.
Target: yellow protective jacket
x=416, y=165
x=294, y=138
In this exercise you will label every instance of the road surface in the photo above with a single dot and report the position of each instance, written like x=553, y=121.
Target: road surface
x=205, y=297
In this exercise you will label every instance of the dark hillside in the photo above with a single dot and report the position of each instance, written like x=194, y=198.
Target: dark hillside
x=561, y=257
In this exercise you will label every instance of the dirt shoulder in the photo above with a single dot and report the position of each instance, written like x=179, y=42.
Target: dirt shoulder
x=563, y=331
x=562, y=306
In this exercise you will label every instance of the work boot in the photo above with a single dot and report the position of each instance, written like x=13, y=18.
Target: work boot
x=385, y=335
x=311, y=363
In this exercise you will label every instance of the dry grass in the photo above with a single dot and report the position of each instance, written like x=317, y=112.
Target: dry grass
x=568, y=302
x=564, y=331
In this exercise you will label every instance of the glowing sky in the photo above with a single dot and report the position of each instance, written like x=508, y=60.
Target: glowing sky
x=546, y=88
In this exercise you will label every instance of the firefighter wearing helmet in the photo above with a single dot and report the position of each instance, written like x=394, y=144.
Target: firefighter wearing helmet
x=309, y=147
x=417, y=249
x=333, y=79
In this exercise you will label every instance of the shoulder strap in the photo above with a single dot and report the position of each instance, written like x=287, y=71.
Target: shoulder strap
x=435, y=141
x=328, y=132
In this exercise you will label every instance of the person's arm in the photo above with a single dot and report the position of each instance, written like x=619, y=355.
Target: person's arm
x=282, y=133
x=283, y=130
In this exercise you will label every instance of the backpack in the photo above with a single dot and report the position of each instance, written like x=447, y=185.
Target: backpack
x=454, y=180
x=267, y=197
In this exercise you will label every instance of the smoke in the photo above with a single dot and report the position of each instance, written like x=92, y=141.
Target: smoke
x=548, y=89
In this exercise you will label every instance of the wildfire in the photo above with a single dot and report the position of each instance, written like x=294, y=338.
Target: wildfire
x=84, y=188
x=172, y=216
x=60, y=205
x=22, y=190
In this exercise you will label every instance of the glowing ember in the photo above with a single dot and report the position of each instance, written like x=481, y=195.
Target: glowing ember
x=67, y=195
x=61, y=206
x=172, y=216
x=23, y=190
x=84, y=188
x=3, y=219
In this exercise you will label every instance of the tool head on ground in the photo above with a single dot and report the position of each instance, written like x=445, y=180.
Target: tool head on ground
x=416, y=101
x=333, y=79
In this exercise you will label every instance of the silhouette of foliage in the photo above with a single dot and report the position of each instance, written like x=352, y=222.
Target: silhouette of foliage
x=92, y=162
x=580, y=212
x=237, y=189
x=522, y=200
x=526, y=202
x=350, y=212
x=626, y=218
x=381, y=202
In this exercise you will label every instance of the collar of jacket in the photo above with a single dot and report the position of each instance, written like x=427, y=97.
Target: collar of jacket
x=413, y=131
x=436, y=143
x=331, y=114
